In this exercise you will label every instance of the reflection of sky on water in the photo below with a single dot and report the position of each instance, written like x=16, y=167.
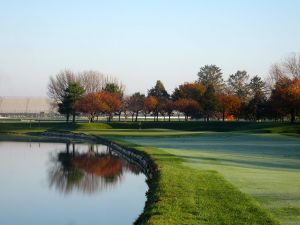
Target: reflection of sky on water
x=24, y=179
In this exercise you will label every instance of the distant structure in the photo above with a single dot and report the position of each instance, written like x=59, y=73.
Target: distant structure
x=26, y=106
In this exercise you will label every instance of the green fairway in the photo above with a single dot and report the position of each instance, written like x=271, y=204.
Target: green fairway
x=265, y=166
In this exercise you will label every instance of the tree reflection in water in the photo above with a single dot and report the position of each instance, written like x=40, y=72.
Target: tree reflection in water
x=89, y=172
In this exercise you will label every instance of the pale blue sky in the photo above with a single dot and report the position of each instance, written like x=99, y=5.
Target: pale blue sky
x=139, y=41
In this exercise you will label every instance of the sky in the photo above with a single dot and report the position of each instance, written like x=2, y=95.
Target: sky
x=140, y=42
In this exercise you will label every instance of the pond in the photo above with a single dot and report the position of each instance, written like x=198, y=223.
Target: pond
x=56, y=183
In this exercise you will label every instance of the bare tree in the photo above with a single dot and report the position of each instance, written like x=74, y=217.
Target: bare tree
x=292, y=65
x=92, y=81
x=288, y=68
x=59, y=83
x=275, y=74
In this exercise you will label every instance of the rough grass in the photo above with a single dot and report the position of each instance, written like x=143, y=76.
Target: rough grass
x=267, y=167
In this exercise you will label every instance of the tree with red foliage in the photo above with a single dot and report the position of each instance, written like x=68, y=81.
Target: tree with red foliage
x=90, y=104
x=189, y=91
x=99, y=102
x=187, y=106
x=286, y=96
x=229, y=105
x=112, y=103
x=150, y=105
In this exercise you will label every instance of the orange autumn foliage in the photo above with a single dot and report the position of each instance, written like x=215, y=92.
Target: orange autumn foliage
x=90, y=104
x=189, y=91
x=286, y=96
x=187, y=106
x=229, y=105
x=150, y=103
x=99, y=102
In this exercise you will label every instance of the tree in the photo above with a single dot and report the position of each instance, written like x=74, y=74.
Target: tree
x=256, y=107
x=275, y=75
x=113, y=103
x=238, y=85
x=187, y=106
x=211, y=75
x=72, y=93
x=113, y=88
x=116, y=89
x=189, y=90
x=116, y=82
x=158, y=91
x=136, y=104
x=286, y=96
x=288, y=68
x=292, y=66
x=58, y=85
x=293, y=92
x=90, y=104
x=150, y=105
x=125, y=107
x=229, y=105
x=92, y=81
x=209, y=102
x=257, y=86
x=169, y=107
x=65, y=107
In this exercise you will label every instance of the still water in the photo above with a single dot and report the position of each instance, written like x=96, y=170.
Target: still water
x=55, y=183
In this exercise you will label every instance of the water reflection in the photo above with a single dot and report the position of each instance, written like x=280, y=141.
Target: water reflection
x=87, y=171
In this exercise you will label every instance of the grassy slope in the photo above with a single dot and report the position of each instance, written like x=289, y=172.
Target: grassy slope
x=184, y=195
x=265, y=166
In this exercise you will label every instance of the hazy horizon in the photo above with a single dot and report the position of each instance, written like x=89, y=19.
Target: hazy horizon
x=141, y=42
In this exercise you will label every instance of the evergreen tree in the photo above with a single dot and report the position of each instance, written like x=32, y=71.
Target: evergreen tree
x=256, y=108
x=158, y=91
x=72, y=93
x=209, y=102
x=113, y=88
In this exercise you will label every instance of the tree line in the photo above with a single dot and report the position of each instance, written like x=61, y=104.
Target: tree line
x=241, y=96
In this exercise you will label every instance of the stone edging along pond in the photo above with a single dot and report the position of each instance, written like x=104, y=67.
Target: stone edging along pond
x=141, y=159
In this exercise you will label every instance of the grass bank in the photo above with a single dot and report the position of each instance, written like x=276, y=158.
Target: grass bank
x=183, y=195
x=264, y=166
